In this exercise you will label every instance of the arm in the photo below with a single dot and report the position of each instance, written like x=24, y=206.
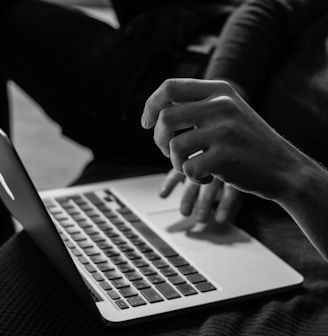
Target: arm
x=238, y=147
x=255, y=39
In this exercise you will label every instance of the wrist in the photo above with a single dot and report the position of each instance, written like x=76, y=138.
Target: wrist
x=299, y=181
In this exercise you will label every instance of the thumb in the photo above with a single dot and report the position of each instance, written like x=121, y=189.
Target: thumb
x=177, y=91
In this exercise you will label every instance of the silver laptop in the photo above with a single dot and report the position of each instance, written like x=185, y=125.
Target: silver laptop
x=129, y=255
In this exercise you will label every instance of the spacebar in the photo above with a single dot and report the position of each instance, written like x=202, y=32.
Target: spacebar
x=165, y=249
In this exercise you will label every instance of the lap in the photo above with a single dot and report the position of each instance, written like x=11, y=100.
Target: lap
x=34, y=299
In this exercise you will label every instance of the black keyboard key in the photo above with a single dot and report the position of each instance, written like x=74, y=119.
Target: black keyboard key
x=69, y=244
x=84, y=224
x=99, y=221
x=168, y=271
x=122, y=227
x=165, y=249
x=128, y=292
x=105, y=267
x=78, y=237
x=91, y=231
x=113, y=295
x=97, y=276
x=99, y=259
x=186, y=289
x=121, y=304
x=186, y=270
x=67, y=224
x=140, y=262
x=104, y=245
x=168, y=291
x=125, y=268
x=78, y=218
x=178, y=261
x=104, y=226
x=94, y=199
x=129, y=234
x=72, y=230
x=124, y=210
x=205, y=287
x=120, y=283
x=176, y=279
x=125, y=248
x=90, y=268
x=85, y=244
x=148, y=270
x=91, y=251
x=97, y=238
x=136, y=301
x=83, y=260
x=132, y=276
x=115, y=221
x=151, y=295
x=105, y=285
x=111, y=253
x=195, y=278
x=76, y=252
x=118, y=240
x=151, y=256
x=155, y=279
x=137, y=241
x=117, y=260
x=111, y=234
x=141, y=284
x=113, y=275
x=145, y=248
x=132, y=255
x=109, y=214
x=130, y=217
x=160, y=263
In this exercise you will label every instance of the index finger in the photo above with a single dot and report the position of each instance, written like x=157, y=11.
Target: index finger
x=179, y=90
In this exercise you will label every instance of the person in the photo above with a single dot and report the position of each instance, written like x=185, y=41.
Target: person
x=235, y=145
x=93, y=80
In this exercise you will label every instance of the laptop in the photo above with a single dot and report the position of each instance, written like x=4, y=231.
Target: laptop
x=129, y=255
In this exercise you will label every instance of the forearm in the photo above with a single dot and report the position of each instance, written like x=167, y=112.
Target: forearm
x=255, y=39
x=306, y=201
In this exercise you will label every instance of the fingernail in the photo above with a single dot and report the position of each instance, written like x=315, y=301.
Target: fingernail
x=185, y=209
x=221, y=217
x=145, y=122
x=162, y=192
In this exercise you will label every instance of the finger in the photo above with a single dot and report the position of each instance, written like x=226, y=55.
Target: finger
x=177, y=118
x=186, y=145
x=171, y=180
x=198, y=168
x=181, y=90
x=206, y=198
x=189, y=197
x=229, y=206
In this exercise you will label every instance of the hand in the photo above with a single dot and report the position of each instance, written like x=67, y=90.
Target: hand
x=201, y=200
x=225, y=137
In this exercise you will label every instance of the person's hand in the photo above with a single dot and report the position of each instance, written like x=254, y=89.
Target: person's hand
x=216, y=199
x=222, y=137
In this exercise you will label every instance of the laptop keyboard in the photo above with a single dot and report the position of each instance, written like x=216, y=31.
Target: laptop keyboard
x=129, y=261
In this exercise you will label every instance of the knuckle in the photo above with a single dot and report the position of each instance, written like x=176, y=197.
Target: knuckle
x=169, y=86
x=164, y=117
x=176, y=146
x=225, y=86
